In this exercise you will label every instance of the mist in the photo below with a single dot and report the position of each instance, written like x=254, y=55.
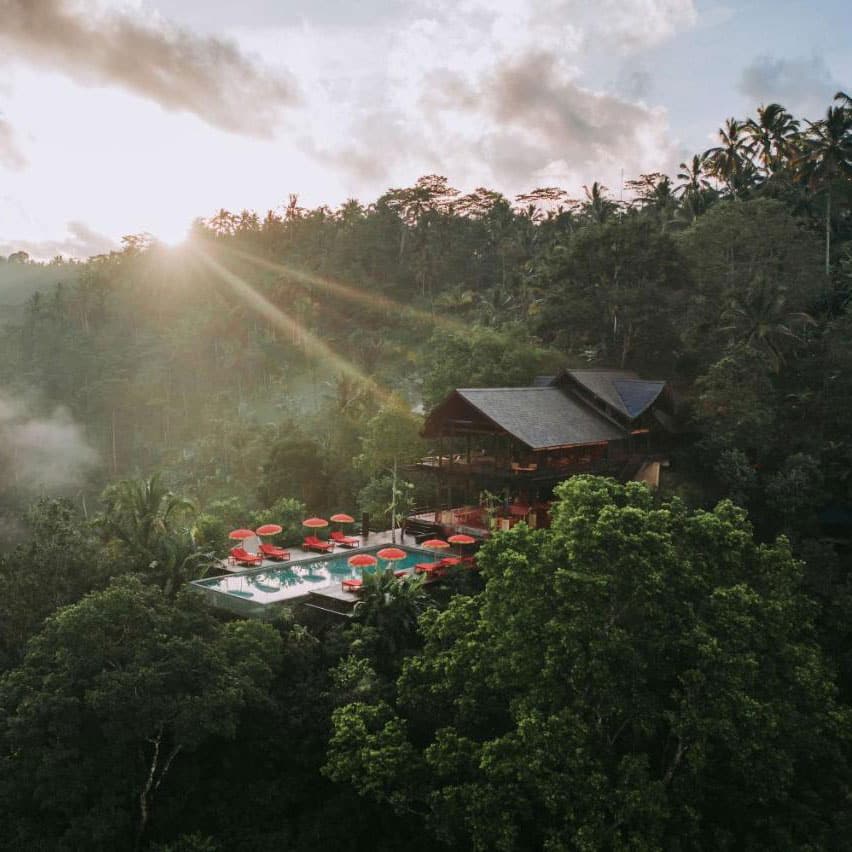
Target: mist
x=41, y=452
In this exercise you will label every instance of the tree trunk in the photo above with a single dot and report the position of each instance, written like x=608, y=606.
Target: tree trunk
x=114, y=454
x=828, y=231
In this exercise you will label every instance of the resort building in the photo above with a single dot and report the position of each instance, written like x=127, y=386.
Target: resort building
x=517, y=443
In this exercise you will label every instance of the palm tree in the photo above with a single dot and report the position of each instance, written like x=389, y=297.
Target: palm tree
x=771, y=137
x=827, y=156
x=729, y=162
x=142, y=513
x=597, y=207
x=392, y=607
x=762, y=319
x=694, y=189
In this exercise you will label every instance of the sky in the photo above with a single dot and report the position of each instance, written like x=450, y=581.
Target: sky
x=127, y=116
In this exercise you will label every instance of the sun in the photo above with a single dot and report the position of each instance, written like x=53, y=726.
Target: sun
x=172, y=237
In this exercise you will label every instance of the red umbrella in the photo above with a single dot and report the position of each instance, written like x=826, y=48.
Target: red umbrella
x=241, y=535
x=362, y=560
x=460, y=539
x=391, y=554
x=342, y=518
x=269, y=529
x=436, y=544
x=315, y=523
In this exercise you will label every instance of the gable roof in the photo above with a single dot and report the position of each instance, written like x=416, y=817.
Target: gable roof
x=542, y=417
x=622, y=389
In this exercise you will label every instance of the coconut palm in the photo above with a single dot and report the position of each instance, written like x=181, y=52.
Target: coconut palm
x=391, y=606
x=826, y=157
x=730, y=161
x=597, y=207
x=762, y=319
x=142, y=513
x=694, y=190
x=771, y=137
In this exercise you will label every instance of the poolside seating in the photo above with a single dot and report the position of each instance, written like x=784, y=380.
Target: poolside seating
x=311, y=542
x=242, y=557
x=277, y=554
x=430, y=568
x=352, y=584
x=344, y=540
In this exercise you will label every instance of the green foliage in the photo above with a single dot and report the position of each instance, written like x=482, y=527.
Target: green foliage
x=380, y=496
x=736, y=402
x=478, y=358
x=635, y=677
x=112, y=692
x=295, y=468
x=615, y=292
x=391, y=436
x=59, y=562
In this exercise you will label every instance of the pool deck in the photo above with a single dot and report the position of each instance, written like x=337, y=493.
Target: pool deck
x=298, y=555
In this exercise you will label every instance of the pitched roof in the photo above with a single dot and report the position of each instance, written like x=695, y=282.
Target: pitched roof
x=622, y=389
x=542, y=417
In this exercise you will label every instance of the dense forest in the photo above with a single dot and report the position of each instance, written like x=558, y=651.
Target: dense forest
x=654, y=671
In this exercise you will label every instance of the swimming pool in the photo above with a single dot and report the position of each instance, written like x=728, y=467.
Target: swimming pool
x=251, y=590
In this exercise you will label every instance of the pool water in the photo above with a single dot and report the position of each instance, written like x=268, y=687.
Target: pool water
x=276, y=583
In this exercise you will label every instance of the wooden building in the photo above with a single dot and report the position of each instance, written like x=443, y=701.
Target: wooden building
x=522, y=441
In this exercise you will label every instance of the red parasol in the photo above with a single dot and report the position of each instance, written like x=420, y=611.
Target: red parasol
x=436, y=544
x=269, y=529
x=362, y=560
x=460, y=539
x=241, y=535
x=391, y=554
x=342, y=518
x=315, y=523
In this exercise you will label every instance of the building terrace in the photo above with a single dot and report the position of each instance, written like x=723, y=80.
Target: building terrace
x=520, y=442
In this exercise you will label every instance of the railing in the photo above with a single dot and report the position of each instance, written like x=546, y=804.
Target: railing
x=529, y=470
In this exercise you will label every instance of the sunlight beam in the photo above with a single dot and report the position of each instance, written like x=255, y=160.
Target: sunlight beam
x=369, y=300
x=316, y=347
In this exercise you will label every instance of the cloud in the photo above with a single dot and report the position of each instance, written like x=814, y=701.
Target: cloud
x=10, y=153
x=559, y=119
x=81, y=242
x=486, y=92
x=41, y=452
x=181, y=71
x=803, y=86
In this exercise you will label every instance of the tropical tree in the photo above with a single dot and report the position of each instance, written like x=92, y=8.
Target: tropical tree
x=597, y=207
x=111, y=694
x=761, y=318
x=141, y=513
x=826, y=157
x=729, y=161
x=771, y=137
x=637, y=677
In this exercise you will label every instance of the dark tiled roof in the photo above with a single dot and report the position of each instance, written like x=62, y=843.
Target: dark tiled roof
x=622, y=389
x=542, y=417
x=543, y=381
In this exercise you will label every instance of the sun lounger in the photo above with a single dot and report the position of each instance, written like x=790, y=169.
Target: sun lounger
x=270, y=551
x=352, y=584
x=242, y=557
x=431, y=569
x=344, y=540
x=313, y=543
